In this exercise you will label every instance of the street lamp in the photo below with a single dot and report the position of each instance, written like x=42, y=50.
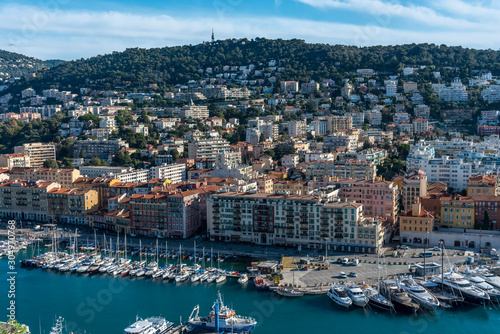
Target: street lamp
x=326, y=249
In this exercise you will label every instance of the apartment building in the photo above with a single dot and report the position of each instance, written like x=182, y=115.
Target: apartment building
x=25, y=200
x=489, y=204
x=457, y=211
x=391, y=87
x=265, y=185
x=228, y=159
x=64, y=177
x=133, y=176
x=410, y=87
x=100, y=184
x=38, y=152
x=358, y=118
x=71, y=205
x=289, y=86
x=422, y=111
x=290, y=160
x=174, y=173
x=274, y=219
x=344, y=169
x=400, y=117
x=483, y=185
x=371, y=155
x=457, y=92
x=207, y=148
x=15, y=160
x=379, y=198
x=341, y=140
x=414, y=187
x=101, y=171
x=297, y=128
x=420, y=125
x=291, y=187
x=336, y=123
x=103, y=149
x=165, y=214
x=193, y=111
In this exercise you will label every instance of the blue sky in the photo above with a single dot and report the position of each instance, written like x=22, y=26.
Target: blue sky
x=71, y=29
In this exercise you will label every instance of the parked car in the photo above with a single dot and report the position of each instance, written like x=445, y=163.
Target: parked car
x=345, y=260
x=353, y=274
x=404, y=247
x=342, y=274
x=436, y=248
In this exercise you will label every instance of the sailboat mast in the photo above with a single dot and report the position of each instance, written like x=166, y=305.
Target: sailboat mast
x=118, y=246
x=194, y=252
x=378, y=257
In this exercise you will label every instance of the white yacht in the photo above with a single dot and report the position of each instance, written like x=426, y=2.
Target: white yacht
x=490, y=278
x=243, y=279
x=153, y=325
x=483, y=285
x=457, y=284
x=418, y=293
x=339, y=295
x=356, y=294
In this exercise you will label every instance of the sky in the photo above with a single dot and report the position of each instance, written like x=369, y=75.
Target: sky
x=73, y=29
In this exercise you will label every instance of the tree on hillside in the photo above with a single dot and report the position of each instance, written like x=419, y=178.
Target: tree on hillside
x=89, y=117
x=50, y=163
x=175, y=154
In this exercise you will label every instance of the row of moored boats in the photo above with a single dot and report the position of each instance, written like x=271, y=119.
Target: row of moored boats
x=409, y=294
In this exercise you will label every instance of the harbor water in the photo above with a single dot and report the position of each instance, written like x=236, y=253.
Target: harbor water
x=105, y=304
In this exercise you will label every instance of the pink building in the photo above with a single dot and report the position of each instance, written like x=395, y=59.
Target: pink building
x=379, y=198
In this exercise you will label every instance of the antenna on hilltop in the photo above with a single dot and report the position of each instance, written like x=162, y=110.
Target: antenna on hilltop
x=213, y=36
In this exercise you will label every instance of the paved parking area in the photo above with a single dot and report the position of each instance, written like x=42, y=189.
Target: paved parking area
x=365, y=272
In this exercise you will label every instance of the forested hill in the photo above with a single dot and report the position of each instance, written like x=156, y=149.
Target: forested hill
x=16, y=65
x=303, y=61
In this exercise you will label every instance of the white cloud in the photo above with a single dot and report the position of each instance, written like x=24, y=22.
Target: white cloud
x=71, y=34
x=429, y=15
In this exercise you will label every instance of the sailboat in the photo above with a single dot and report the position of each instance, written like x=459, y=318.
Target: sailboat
x=290, y=292
x=375, y=298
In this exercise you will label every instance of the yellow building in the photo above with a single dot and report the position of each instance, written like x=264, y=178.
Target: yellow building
x=457, y=211
x=482, y=185
x=416, y=220
x=71, y=205
x=265, y=185
x=101, y=184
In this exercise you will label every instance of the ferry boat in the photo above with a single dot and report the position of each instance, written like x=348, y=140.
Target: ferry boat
x=221, y=319
x=153, y=325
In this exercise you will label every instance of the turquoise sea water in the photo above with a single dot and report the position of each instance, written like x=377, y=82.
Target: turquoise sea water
x=103, y=304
